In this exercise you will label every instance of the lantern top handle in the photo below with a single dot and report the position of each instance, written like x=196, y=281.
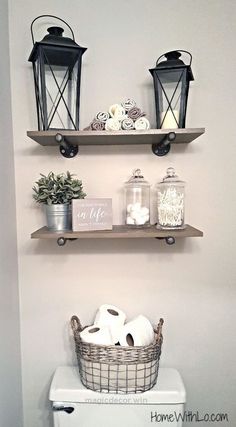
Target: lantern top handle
x=177, y=50
x=49, y=16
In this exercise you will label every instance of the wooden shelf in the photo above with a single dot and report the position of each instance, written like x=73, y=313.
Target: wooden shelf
x=118, y=232
x=122, y=137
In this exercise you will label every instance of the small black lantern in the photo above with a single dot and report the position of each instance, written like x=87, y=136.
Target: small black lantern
x=171, y=84
x=57, y=70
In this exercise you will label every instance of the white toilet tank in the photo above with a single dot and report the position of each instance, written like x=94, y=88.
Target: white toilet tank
x=76, y=406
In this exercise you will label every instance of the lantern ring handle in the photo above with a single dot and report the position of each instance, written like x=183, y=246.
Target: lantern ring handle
x=178, y=50
x=49, y=16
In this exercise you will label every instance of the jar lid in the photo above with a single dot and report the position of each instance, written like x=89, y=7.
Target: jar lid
x=171, y=177
x=137, y=178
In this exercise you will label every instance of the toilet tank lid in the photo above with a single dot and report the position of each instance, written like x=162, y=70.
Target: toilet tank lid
x=67, y=387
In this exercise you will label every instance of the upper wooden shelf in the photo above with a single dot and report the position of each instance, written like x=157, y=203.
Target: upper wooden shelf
x=122, y=137
x=118, y=232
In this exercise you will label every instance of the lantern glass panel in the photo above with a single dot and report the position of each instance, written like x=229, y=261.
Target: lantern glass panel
x=61, y=96
x=170, y=93
x=58, y=81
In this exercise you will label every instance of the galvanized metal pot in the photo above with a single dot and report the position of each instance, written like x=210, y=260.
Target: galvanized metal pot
x=59, y=217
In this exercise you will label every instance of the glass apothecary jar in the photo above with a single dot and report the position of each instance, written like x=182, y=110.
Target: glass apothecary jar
x=170, y=201
x=137, y=200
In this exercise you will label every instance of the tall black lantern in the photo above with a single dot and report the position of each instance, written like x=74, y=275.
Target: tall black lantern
x=57, y=70
x=171, y=84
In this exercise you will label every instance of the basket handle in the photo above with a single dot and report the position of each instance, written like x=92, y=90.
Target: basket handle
x=158, y=330
x=77, y=327
x=75, y=324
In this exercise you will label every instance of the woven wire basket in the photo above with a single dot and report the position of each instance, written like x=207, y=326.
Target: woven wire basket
x=117, y=369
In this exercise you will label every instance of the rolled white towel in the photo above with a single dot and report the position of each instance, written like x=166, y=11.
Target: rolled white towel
x=102, y=116
x=127, y=124
x=117, y=111
x=128, y=104
x=112, y=124
x=142, y=124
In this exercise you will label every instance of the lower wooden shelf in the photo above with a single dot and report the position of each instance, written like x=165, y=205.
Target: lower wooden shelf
x=118, y=232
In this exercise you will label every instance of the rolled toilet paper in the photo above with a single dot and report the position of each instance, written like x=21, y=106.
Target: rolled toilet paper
x=137, y=332
x=97, y=335
x=112, y=317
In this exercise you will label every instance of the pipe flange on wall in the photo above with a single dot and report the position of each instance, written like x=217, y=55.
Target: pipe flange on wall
x=67, y=150
x=170, y=240
x=61, y=241
x=163, y=147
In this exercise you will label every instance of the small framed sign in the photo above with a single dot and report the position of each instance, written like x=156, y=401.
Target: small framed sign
x=91, y=214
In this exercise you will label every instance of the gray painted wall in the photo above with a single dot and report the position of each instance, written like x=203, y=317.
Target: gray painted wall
x=10, y=366
x=191, y=284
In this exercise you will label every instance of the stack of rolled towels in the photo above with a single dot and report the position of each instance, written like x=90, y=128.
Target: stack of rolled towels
x=110, y=328
x=124, y=116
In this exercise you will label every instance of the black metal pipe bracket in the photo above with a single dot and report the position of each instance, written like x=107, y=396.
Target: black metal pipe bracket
x=163, y=147
x=61, y=241
x=67, y=150
x=170, y=240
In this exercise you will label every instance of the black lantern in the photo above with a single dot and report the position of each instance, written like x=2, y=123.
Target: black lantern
x=171, y=84
x=57, y=69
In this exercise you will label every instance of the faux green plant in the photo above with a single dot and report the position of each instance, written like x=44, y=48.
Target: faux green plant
x=57, y=189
